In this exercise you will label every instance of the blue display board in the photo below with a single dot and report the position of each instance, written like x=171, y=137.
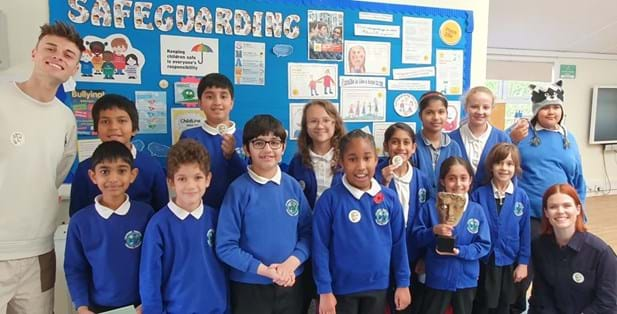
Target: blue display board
x=154, y=51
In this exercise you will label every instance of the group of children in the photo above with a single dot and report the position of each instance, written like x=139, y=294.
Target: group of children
x=243, y=235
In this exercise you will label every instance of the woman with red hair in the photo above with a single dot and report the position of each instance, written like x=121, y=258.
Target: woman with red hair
x=575, y=271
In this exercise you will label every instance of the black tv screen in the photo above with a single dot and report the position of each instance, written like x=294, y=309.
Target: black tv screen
x=603, y=124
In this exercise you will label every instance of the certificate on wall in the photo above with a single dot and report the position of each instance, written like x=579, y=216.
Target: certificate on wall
x=449, y=79
x=417, y=40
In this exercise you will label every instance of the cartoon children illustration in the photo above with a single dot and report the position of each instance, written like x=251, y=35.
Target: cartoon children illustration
x=85, y=64
x=313, y=86
x=97, y=48
x=119, y=47
x=132, y=65
x=327, y=82
x=108, y=66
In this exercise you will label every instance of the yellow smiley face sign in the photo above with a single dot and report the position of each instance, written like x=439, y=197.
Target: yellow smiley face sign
x=450, y=32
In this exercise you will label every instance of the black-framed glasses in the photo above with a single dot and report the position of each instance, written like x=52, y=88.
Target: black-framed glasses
x=261, y=144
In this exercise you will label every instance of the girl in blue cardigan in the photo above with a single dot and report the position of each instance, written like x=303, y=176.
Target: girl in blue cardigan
x=506, y=207
x=477, y=136
x=452, y=278
x=315, y=163
x=412, y=187
x=434, y=146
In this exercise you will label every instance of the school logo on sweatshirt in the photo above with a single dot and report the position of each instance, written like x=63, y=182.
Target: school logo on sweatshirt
x=210, y=237
x=518, y=209
x=18, y=138
x=422, y=195
x=473, y=225
x=132, y=239
x=382, y=216
x=293, y=207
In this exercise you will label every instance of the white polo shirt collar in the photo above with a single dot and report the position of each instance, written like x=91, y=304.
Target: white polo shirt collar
x=357, y=193
x=106, y=212
x=182, y=213
x=261, y=180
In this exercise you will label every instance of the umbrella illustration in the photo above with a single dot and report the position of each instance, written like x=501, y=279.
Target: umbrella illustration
x=202, y=48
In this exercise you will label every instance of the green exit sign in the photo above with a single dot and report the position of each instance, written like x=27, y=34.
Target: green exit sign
x=567, y=71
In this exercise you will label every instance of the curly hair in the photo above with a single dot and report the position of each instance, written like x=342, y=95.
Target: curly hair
x=187, y=151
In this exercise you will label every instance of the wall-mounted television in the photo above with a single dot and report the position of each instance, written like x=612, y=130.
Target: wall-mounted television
x=603, y=124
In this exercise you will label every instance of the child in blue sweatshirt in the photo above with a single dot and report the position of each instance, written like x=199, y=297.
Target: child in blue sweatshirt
x=359, y=237
x=264, y=227
x=477, y=136
x=434, y=146
x=507, y=208
x=452, y=278
x=103, y=245
x=219, y=135
x=180, y=272
x=116, y=119
x=412, y=187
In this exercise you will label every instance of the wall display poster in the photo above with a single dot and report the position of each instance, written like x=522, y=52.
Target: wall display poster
x=185, y=93
x=363, y=104
x=183, y=55
x=417, y=40
x=405, y=105
x=367, y=58
x=152, y=109
x=312, y=81
x=449, y=71
x=325, y=38
x=83, y=100
x=185, y=118
x=112, y=59
x=249, y=63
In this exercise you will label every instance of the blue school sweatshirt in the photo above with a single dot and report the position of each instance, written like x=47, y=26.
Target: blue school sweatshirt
x=423, y=160
x=307, y=179
x=510, y=229
x=263, y=223
x=419, y=192
x=473, y=240
x=547, y=164
x=101, y=261
x=358, y=240
x=150, y=186
x=224, y=171
x=180, y=272
x=496, y=136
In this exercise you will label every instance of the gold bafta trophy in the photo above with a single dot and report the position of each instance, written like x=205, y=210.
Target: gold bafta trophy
x=450, y=208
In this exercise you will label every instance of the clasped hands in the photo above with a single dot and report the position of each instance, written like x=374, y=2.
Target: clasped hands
x=282, y=274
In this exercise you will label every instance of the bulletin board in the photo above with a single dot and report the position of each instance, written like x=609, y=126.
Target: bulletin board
x=280, y=54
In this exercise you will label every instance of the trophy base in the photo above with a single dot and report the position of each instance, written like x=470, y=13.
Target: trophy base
x=445, y=244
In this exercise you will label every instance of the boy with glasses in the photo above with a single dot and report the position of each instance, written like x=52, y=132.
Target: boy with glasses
x=264, y=227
